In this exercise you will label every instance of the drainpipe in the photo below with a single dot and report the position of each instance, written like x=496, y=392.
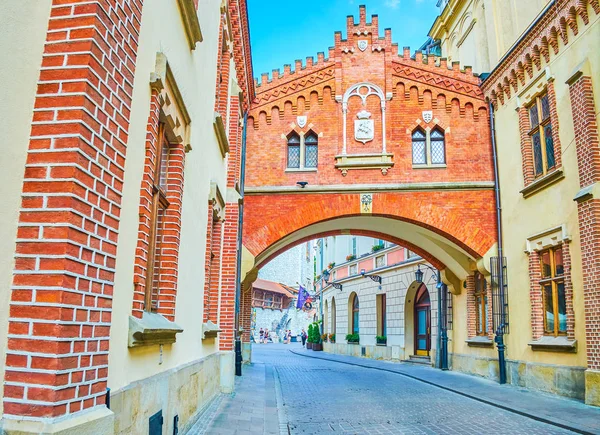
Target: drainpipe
x=238, y=281
x=500, y=330
x=438, y=354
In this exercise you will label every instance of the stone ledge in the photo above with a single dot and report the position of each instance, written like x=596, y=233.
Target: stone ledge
x=221, y=134
x=95, y=421
x=151, y=329
x=480, y=341
x=209, y=330
x=189, y=16
x=554, y=344
x=541, y=183
x=345, y=162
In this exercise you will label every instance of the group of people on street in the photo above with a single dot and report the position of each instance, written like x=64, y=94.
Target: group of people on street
x=264, y=335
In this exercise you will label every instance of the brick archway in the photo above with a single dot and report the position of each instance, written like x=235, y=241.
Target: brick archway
x=448, y=228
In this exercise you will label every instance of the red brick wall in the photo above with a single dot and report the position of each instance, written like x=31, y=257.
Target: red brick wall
x=588, y=208
x=414, y=86
x=60, y=309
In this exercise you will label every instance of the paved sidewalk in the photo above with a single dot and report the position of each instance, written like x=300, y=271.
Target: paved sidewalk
x=564, y=413
x=251, y=410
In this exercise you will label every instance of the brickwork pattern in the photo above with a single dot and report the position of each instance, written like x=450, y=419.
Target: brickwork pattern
x=535, y=296
x=588, y=161
x=228, y=279
x=541, y=42
x=60, y=309
x=168, y=251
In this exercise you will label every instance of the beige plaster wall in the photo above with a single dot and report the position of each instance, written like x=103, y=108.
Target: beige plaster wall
x=479, y=32
x=551, y=207
x=23, y=25
x=195, y=75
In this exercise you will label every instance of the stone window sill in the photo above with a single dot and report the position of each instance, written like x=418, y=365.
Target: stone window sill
x=554, y=344
x=151, y=329
x=189, y=15
x=480, y=341
x=301, y=170
x=209, y=330
x=432, y=166
x=541, y=183
x=346, y=162
x=382, y=344
x=357, y=344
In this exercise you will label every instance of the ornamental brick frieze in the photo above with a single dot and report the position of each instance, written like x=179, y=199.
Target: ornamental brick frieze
x=544, y=39
x=437, y=76
x=293, y=86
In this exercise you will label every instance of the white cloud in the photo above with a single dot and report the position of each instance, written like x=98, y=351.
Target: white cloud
x=393, y=4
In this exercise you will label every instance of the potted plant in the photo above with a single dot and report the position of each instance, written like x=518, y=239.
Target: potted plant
x=376, y=248
x=332, y=338
x=318, y=277
x=350, y=257
x=381, y=339
x=316, y=338
x=309, y=337
x=331, y=265
x=352, y=338
x=324, y=338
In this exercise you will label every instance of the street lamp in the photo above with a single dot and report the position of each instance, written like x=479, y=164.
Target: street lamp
x=442, y=304
x=325, y=275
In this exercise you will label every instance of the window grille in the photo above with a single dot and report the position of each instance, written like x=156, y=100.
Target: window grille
x=311, y=151
x=499, y=299
x=380, y=261
x=418, y=147
x=438, y=152
x=294, y=151
x=448, y=308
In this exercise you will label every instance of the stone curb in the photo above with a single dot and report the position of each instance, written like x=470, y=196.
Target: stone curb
x=549, y=421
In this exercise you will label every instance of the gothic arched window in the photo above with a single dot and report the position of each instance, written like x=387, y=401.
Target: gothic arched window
x=419, y=146
x=293, y=151
x=438, y=147
x=311, y=153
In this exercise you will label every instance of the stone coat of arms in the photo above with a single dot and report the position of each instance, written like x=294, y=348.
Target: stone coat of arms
x=427, y=116
x=362, y=44
x=301, y=120
x=364, y=128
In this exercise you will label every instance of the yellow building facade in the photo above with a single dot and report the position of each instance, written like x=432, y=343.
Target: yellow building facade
x=540, y=66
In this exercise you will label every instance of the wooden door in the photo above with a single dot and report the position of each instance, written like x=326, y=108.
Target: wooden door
x=422, y=319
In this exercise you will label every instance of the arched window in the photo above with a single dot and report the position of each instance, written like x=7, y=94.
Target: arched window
x=311, y=150
x=419, y=156
x=293, y=151
x=333, y=315
x=438, y=148
x=354, y=315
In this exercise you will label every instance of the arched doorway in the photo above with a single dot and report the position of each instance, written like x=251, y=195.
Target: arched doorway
x=422, y=322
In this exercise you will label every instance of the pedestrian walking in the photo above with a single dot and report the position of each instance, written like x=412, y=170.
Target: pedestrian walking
x=261, y=336
x=303, y=335
x=266, y=335
x=289, y=336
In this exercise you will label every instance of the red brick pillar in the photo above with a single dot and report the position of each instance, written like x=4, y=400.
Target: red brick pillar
x=588, y=207
x=228, y=277
x=60, y=309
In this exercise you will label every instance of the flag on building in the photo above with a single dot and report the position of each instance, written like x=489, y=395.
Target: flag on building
x=303, y=298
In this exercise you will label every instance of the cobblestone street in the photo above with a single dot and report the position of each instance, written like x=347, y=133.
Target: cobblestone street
x=315, y=396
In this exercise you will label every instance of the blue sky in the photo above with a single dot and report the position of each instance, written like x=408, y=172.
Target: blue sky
x=281, y=32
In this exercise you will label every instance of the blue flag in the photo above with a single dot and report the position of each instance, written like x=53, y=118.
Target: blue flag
x=303, y=295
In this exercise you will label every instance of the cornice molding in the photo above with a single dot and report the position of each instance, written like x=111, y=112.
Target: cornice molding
x=374, y=188
x=191, y=24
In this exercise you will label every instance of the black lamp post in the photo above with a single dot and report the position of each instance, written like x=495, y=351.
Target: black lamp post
x=443, y=331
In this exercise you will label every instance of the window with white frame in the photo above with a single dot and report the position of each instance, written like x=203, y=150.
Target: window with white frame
x=428, y=147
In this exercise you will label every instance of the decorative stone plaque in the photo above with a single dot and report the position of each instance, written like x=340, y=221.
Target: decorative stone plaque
x=362, y=44
x=366, y=202
x=364, y=128
x=427, y=116
x=301, y=120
